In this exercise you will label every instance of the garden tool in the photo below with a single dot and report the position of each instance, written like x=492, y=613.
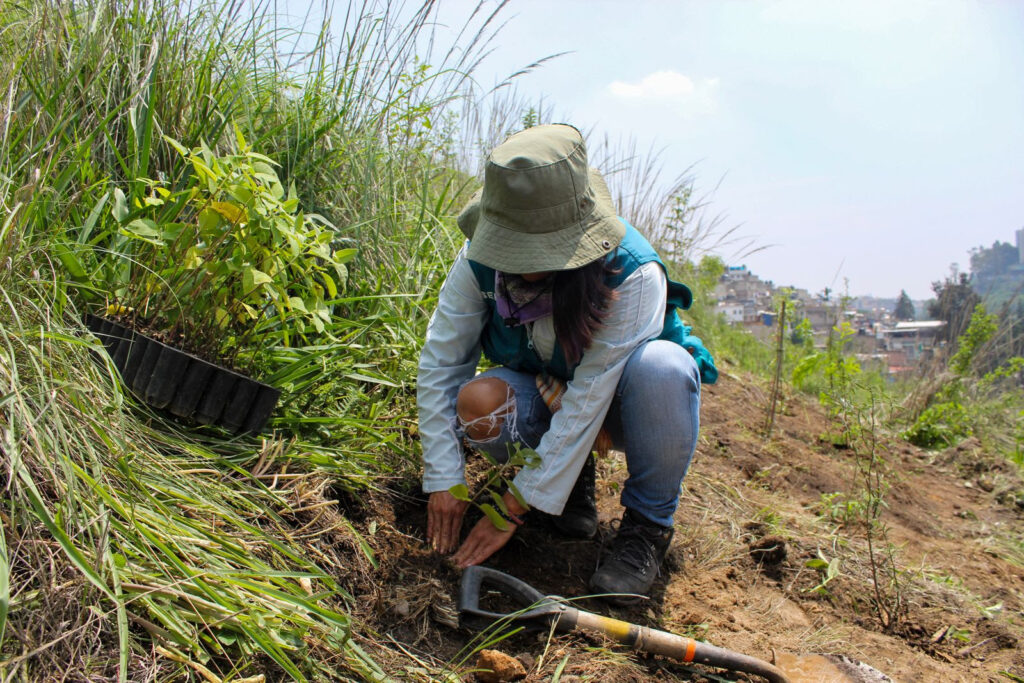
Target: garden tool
x=534, y=610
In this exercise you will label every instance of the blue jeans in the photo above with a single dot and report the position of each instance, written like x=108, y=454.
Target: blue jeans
x=654, y=418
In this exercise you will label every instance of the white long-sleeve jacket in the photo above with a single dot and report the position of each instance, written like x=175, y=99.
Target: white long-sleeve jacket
x=451, y=353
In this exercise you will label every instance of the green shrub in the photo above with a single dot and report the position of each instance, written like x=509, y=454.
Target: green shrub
x=987, y=406
x=226, y=262
x=940, y=425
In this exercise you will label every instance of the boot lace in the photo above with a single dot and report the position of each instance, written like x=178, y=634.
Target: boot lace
x=634, y=547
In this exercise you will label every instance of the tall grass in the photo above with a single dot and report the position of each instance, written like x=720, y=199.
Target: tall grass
x=359, y=116
x=134, y=551
x=115, y=529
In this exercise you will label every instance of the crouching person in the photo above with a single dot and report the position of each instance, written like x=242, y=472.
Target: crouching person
x=574, y=308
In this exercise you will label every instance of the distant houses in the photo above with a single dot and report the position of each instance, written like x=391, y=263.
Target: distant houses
x=908, y=343
x=741, y=295
x=744, y=299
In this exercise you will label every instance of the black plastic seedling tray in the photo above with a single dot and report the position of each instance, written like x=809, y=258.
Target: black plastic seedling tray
x=185, y=385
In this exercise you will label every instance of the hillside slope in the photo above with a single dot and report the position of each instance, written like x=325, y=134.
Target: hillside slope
x=953, y=518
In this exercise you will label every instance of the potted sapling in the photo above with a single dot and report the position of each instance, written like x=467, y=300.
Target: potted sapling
x=207, y=279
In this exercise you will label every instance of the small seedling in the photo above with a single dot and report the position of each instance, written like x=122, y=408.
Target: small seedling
x=499, y=475
x=827, y=569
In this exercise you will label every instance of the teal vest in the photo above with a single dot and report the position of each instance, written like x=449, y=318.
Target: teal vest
x=511, y=346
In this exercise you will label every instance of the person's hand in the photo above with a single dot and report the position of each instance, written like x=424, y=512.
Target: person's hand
x=444, y=521
x=483, y=541
x=486, y=539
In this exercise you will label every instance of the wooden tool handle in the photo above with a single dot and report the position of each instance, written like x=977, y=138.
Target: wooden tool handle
x=670, y=645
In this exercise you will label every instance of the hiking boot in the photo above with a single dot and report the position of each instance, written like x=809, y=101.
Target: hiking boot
x=579, y=517
x=633, y=563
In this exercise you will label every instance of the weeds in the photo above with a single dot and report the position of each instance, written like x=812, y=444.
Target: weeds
x=777, y=378
x=860, y=511
x=856, y=405
x=886, y=577
x=176, y=546
x=966, y=403
x=121, y=536
x=827, y=568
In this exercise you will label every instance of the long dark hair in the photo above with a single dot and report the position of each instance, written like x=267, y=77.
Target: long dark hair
x=579, y=302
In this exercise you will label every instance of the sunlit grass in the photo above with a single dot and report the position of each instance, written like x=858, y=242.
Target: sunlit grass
x=125, y=528
x=132, y=548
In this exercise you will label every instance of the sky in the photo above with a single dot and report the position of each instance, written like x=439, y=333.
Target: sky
x=866, y=145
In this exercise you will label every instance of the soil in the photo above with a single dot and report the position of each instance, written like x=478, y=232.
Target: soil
x=756, y=529
x=197, y=345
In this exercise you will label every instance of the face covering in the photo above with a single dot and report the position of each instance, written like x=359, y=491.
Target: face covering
x=520, y=302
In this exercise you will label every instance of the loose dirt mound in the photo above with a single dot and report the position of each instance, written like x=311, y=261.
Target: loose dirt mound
x=757, y=530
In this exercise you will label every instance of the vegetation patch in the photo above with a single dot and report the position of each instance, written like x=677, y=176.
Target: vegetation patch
x=282, y=202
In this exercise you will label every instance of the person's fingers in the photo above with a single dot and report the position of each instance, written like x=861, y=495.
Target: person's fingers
x=460, y=554
x=468, y=547
x=481, y=543
x=449, y=533
x=444, y=521
x=475, y=554
x=459, y=515
x=431, y=524
x=441, y=530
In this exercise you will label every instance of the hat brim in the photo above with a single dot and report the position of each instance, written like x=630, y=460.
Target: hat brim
x=511, y=251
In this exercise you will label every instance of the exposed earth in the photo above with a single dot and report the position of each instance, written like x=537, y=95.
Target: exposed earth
x=756, y=533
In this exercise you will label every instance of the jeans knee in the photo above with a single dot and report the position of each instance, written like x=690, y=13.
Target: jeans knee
x=663, y=363
x=482, y=406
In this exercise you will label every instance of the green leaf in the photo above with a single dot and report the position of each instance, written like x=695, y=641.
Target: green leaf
x=332, y=289
x=253, y=278
x=498, y=501
x=833, y=569
x=222, y=317
x=120, y=208
x=493, y=515
x=228, y=638
x=251, y=312
x=531, y=458
x=178, y=147
x=192, y=259
x=256, y=156
x=90, y=221
x=344, y=255
x=460, y=492
x=209, y=221
x=145, y=230
x=363, y=545
x=70, y=262
x=232, y=213
x=360, y=377
x=557, y=676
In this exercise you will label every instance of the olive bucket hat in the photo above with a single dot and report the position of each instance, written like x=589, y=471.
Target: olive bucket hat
x=541, y=207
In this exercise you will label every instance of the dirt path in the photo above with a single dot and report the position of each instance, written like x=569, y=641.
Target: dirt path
x=753, y=514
